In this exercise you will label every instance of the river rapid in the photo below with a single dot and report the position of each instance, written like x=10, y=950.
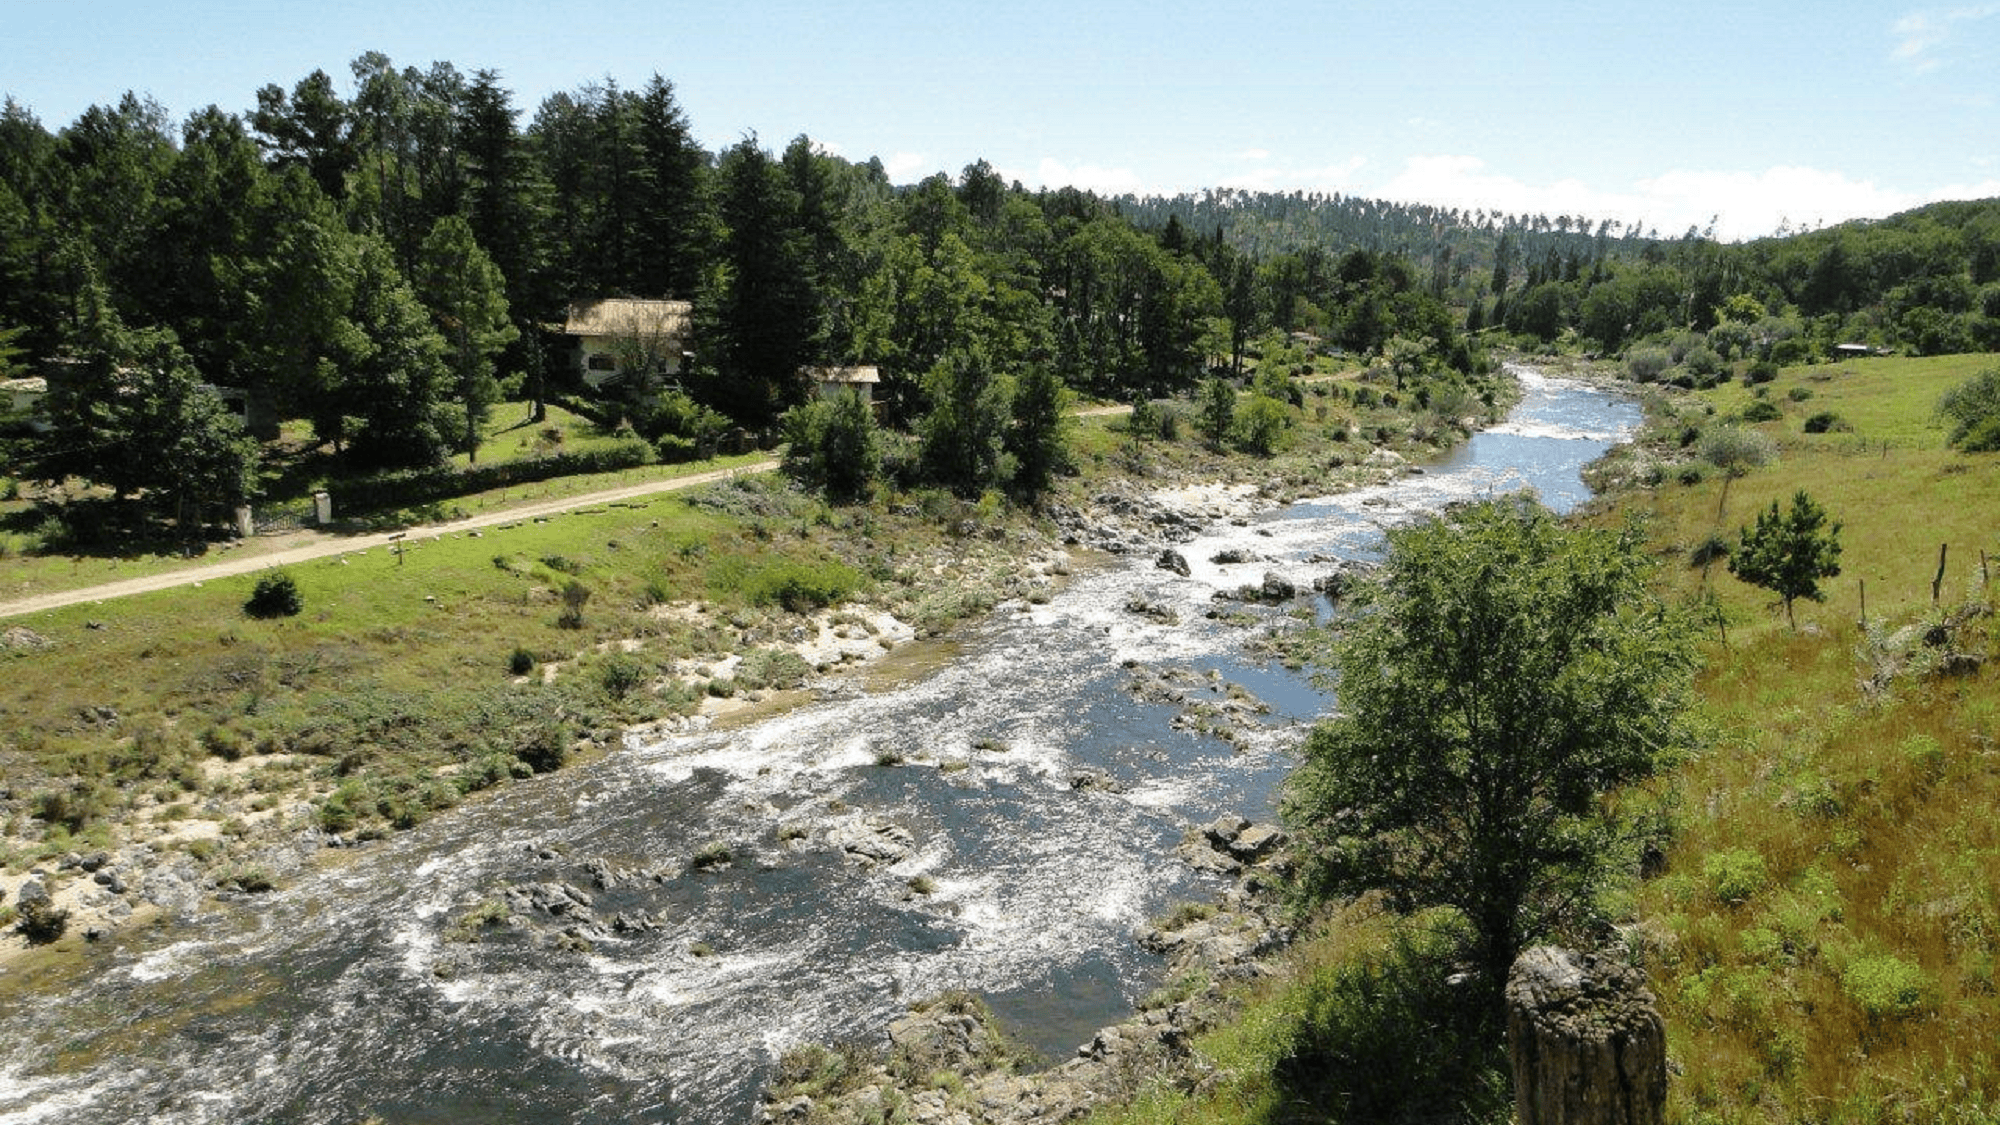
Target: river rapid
x=1026, y=800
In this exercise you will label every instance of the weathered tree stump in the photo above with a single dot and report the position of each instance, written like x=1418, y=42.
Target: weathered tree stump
x=1586, y=1039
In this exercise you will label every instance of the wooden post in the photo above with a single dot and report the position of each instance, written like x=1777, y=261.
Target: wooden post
x=1937, y=583
x=1864, y=604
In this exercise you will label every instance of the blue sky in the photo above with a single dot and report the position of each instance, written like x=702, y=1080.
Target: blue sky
x=1670, y=113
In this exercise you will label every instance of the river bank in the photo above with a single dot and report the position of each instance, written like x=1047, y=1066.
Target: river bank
x=233, y=824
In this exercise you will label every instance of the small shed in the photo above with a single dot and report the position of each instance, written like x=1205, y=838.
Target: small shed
x=830, y=382
x=623, y=339
x=22, y=396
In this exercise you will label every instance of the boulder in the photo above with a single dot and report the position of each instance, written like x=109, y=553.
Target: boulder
x=1232, y=557
x=1173, y=560
x=1277, y=588
x=872, y=840
x=1586, y=1041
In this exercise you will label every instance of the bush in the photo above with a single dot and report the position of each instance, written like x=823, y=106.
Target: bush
x=276, y=595
x=413, y=487
x=521, y=662
x=1646, y=365
x=42, y=921
x=1762, y=410
x=1799, y=394
x=802, y=587
x=1885, y=986
x=1735, y=875
x=621, y=676
x=1735, y=450
x=1762, y=371
x=1390, y=1036
x=1973, y=409
x=1826, y=421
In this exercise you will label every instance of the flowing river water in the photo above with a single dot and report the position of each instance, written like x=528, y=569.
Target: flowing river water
x=343, y=995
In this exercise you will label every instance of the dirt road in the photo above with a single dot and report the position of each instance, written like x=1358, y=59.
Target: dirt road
x=322, y=544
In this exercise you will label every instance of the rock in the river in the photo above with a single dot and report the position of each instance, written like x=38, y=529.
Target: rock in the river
x=872, y=839
x=559, y=900
x=1173, y=560
x=1232, y=557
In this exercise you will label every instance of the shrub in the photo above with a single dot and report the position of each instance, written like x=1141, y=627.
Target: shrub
x=713, y=854
x=276, y=595
x=521, y=662
x=1735, y=875
x=574, y=595
x=544, y=747
x=1762, y=371
x=1799, y=394
x=1762, y=410
x=1735, y=450
x=1885, y=986
x=1712, y=549
x=414, y=487
x=1973, y=409
x=1826, y=421
x=42, y=921
x=802, y=587
x=1646, y=365
x=621, y=676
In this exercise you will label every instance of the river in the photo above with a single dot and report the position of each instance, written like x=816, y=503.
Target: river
x=344, y=995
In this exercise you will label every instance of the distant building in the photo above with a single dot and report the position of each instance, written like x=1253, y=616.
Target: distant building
x=628, y=341
x=829, y=382
x=1857, y=351
x=22, y=397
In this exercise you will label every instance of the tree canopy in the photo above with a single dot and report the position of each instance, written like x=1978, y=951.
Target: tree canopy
x=1500, y=678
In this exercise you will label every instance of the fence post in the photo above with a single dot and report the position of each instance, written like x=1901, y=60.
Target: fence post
x=1937, y=583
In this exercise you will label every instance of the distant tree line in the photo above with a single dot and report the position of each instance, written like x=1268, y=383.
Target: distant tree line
x=1926, y=281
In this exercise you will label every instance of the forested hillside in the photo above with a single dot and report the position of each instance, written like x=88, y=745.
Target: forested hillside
x=1926, y=281
x=382, y=259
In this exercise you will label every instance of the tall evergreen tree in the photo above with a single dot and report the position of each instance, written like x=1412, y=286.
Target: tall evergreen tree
x=673, y=226
x=762, y=315
x=467, y=298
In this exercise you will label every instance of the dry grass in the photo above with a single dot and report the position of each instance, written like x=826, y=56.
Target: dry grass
x=1825, y=935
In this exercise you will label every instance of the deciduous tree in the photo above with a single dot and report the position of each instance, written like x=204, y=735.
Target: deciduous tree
x=1499, y=679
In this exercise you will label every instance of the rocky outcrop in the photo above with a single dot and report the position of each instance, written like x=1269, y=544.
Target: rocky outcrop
x=1173, y=560
x=872, y=840
x=1586, y=1040
x=946, y=1063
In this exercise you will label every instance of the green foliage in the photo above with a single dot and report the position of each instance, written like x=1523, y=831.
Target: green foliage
x=275, y=595
x=621, y=675
x=1973, y=410
x=833, y=446
x=41, y=921
x=1388, y=1037
x=1826, y=421
x=965, y=433
x=1037, y=437
x=1736, y=450
x=1503, y=675
x=1735, y=876
x=1788, y=554
x=1218, y=411
x=467, y=297
x=521, y=661
x=1886, y=987
x=800, y=587
x=1762, y=410
x=415, y=487
x=1261, y=425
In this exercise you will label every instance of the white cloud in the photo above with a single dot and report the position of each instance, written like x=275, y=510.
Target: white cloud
x=1743, y=204
x=1326, y=179
x=1920, y=35
x=904, y=167
x=1254, y=154
x=1053, y=173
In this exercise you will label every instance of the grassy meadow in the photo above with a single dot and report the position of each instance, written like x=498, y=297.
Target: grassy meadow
x=1822, y=933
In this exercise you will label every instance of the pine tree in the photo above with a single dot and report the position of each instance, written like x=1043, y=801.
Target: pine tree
x=1788, y=554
